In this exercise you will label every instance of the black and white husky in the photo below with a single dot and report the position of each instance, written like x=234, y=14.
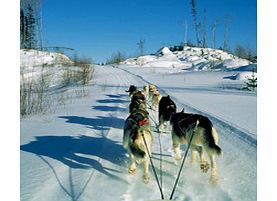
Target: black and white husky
x=136, y=125
x=166, y=109
x=205, y=137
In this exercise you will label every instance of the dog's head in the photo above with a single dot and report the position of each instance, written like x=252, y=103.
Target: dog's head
x=152, y=88
x=138, y=95
x=146, y=88
x=137, y=104
x=167, y=107
x=131, y=89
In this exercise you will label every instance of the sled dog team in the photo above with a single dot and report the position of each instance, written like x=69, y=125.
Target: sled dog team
x=137, y=136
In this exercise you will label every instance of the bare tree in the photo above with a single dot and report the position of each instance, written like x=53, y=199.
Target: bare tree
x=214, y=26
x=196, y=24
x=227, y=21
x=184, y=24
x=204, y=42
x=141, y=46
x=116, y=58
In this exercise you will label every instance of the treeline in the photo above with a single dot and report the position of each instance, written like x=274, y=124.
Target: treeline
x=200, y=30
x=30, y=24
x=245, y=53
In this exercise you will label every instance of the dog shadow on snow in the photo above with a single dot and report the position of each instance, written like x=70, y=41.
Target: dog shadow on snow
x=98, y=122
x=78, y=152
x=116, y=95
x=109, y=108
x=81, y=152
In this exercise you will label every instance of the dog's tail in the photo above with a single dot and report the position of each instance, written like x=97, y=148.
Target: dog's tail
x=213, y=145
x=135, y=149
x=216, y=149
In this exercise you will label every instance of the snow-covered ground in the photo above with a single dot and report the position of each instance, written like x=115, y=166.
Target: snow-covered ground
x=76, y=152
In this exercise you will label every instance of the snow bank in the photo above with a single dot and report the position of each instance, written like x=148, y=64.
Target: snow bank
x=164, y=58
x=38, y=58
x=193, y=58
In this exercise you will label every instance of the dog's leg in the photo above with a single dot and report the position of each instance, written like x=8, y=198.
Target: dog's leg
x=196, y=148
x=213, y=178
x=193, y=156
x=146, y=176
x=193, y=148
x=177, y=151
x=132, y=167
x=176, y=145
x=204, y=165
x=161, y=124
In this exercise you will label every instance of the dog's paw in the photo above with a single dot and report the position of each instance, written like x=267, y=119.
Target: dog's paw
x=192, y=163
x=146, y=178
x=204, y=166
x=178, y=157
x=132, y=171
x=214, y=180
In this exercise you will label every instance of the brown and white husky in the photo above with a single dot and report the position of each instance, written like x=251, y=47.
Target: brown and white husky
x=136, y=126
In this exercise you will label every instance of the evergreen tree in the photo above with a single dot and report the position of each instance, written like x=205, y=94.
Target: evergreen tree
x=251, y=83
x=26, y=32
x=22, y=28
x=31, y=23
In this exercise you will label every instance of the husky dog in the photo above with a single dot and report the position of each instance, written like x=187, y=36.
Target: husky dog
x=205, y=137
x=146, y=91
x=137, y=101
x=152, y=89
x=131, y=90
x=166, y=109
x=136, y=126
x=156, y=97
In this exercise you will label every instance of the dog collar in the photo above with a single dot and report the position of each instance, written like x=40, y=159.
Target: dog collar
x=143, y=122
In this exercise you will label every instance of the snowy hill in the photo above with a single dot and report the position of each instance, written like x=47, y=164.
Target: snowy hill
x=73, y=151
x=191, y=58
x=32, y=58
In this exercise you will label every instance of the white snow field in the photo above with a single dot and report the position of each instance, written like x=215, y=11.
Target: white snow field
x=75, y=151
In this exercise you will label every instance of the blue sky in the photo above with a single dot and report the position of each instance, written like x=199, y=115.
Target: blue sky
x=98, y=28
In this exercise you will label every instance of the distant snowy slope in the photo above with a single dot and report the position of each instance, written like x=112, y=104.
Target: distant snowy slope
x=41, y=66
x=193, y=58
x=36, y=57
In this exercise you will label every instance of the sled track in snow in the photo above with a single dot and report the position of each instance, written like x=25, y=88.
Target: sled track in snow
x=242, y=134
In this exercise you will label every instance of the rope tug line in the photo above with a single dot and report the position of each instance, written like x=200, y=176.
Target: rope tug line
x=160, y=144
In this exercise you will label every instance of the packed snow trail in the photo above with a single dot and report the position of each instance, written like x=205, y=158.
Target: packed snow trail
x=77, y=153
x=235, y=141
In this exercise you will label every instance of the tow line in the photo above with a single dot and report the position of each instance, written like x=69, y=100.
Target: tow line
x=153, y=168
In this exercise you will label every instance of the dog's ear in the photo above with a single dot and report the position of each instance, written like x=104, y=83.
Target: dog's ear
x=167, y=96
x=183, y=110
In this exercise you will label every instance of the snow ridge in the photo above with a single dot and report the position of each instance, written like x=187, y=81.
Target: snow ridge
x=190, y=58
